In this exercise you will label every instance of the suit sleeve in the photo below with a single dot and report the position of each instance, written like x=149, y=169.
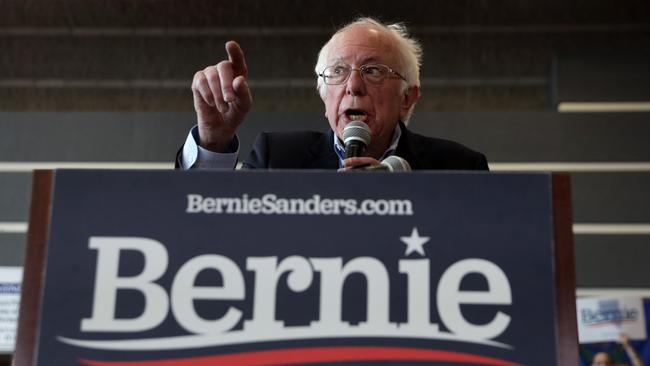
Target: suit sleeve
x=258, y=158
x=481, y=163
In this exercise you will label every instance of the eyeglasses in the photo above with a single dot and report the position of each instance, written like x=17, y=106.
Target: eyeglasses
x=372, y=73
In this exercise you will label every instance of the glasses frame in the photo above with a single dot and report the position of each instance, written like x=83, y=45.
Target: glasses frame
x=361, y=70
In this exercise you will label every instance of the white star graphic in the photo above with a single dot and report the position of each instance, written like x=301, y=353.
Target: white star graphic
x=414, y=243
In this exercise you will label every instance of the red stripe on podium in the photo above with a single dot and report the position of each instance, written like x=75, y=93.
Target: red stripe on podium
x=309, y=355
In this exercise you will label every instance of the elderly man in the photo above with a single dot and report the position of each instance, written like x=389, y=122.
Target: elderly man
x=367, y=71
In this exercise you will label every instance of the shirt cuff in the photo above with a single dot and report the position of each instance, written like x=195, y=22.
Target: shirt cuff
x=194, y=156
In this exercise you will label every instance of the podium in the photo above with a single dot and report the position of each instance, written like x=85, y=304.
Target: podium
x=298, y=267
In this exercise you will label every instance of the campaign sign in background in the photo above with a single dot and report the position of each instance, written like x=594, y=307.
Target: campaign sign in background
x=603, y=319
x=9, y=303
x=501, y=218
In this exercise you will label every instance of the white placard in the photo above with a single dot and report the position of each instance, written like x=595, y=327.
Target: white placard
x=10, y=279
x=603, y=319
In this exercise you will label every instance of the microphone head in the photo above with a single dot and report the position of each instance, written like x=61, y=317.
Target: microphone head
x=396, y=164
x=356, y=130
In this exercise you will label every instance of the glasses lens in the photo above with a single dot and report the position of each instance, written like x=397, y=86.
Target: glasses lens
x=374, y=73
x=336, y=74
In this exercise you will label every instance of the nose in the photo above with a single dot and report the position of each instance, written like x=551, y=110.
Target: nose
x=355, y=85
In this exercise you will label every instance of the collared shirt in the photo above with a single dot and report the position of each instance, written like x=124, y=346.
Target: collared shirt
x=397, y=133
x=194, y=156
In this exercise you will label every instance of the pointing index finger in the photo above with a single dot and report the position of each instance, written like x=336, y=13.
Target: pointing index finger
x=236, y=57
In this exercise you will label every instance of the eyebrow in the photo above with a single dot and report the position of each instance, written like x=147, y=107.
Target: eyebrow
x=365, y=61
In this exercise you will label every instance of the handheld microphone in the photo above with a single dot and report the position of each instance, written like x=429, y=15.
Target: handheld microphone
x=391, y=164
x=356, y=136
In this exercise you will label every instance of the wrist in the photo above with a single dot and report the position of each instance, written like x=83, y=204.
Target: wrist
x=219, y=142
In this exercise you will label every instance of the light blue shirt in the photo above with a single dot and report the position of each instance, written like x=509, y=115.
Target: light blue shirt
x=196, y=157
x=397, y=133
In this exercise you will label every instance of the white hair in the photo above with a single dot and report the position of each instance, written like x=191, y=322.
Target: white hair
x=408, y=48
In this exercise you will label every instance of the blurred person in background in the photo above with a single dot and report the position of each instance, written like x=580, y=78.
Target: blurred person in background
x=605, y=359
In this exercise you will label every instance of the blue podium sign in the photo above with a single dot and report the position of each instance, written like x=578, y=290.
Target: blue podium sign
x=270, y=268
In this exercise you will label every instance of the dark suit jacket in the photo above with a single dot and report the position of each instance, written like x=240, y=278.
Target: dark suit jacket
x=314, y=150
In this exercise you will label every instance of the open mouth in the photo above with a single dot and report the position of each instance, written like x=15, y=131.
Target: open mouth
x=355, y=114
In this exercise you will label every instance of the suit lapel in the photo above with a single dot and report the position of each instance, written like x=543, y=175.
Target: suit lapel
x=322, y=153
x=407, y=149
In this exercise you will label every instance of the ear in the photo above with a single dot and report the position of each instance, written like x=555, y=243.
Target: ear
x=321, y=92
x=322, y=97
x=410, y=97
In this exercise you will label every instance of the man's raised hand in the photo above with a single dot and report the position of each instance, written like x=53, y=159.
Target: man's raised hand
x=221, y=99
